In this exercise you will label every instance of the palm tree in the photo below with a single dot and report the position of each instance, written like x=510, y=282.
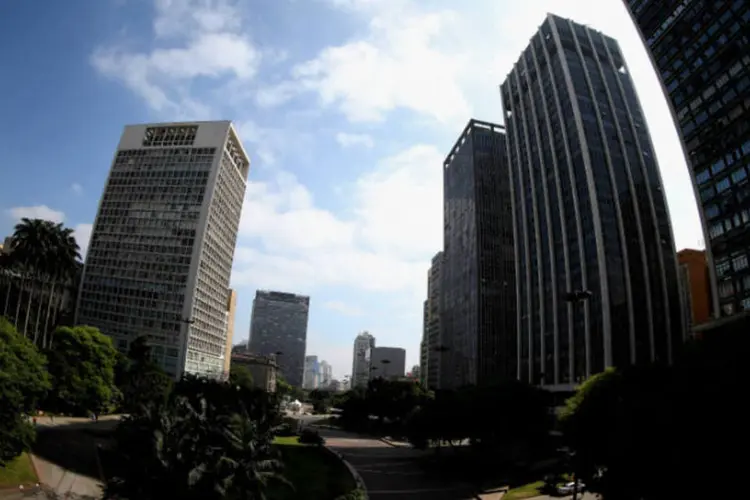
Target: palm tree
x=46, y=252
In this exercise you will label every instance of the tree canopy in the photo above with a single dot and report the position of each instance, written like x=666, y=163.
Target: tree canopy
x=81, y=366
x=208, y=440
x=23, y=382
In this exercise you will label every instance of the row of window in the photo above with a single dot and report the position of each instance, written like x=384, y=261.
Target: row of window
x=736, y=263
x=726, y=225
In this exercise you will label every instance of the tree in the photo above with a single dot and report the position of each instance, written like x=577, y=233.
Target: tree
x=23, y=382
x=209, y=440
x=139, y=379
x=240, y=375
x=45, y=254
x=82, y=366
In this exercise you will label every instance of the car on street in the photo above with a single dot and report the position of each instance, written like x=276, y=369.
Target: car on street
x=567, y=488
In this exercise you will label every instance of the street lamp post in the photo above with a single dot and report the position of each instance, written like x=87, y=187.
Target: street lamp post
x=577, y=297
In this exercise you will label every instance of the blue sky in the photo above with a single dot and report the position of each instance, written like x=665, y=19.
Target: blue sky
x=346, y=107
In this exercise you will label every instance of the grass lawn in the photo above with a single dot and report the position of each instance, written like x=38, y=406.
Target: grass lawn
x=19, y=471
x=315, y=473
x=526, y=491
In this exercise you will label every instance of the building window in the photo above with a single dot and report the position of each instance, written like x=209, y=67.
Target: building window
x=745, y=304
x=722, y=268
x=722, y=185
x=726, y=289
x=739, y=175
x=739, y=262
x=702, y=176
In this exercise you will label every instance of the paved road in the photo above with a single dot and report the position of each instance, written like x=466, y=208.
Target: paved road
x=392, y=473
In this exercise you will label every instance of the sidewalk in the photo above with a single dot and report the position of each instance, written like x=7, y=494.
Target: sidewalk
x=65, y=483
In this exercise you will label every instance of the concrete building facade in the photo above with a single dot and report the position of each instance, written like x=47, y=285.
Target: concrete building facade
x=326, y=374
x=433, y=345
x=262, y=368
x=590, y=212
x=388, y=363
x=311, y=378
x=695, y=287
x=363, y=345
x=279, y=328
x=701, y=53
x=163, y=242
x=231, y=310
x=477, y=304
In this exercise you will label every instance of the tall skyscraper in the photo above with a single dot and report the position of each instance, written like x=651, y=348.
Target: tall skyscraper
x=701, y=51
x=477, y=309
x=279, y=328
x=590, y=212
x=388, y=363
x=363, y=345
x=326, y=374
x=424, y=343
x=163, y=243
x=433, y=337
x=311, y=377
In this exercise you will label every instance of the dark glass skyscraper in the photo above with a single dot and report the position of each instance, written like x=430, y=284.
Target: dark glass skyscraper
x=279, y=328
x=477, y=304
x=701, y=51
x=589, y=212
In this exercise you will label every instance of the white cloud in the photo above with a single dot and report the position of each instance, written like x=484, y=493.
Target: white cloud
x=343, y=308
x=201, y=39
x=383, y=244
x=350, y=140
x=396, y=65
x=82, y=234
x=76, y=188
x=36, y=212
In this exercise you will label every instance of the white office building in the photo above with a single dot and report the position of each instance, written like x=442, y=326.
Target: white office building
x=163, y=243
x=326, y=374
x=363, y=344
x=311, y=378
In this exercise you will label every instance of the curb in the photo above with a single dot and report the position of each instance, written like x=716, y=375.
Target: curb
x=357, y=478
x=393, y=443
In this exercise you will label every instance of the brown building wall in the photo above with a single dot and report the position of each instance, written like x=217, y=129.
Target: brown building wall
x=697, y=289
x=231, y=307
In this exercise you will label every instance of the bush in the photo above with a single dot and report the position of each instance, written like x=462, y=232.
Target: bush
x=309, y=436
x=353, y=495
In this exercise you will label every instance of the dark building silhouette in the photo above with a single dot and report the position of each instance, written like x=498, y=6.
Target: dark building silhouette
x=279, y=328
x=701, y=52
x=477, y=298
x=589, y=211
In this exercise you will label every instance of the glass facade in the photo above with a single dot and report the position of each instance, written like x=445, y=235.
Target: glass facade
x=701, y=51
x=279, y=328
x=589, y=212
x=477, y=300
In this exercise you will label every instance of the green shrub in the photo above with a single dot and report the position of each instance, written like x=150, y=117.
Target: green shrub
x=309, y=436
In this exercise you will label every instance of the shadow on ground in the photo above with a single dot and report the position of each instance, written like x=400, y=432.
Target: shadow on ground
x=73, y=447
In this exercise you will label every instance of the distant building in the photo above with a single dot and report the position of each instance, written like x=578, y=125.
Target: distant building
x=415, y=373
x=163, y=242
x=431, y=374
x=477, y=309
x=311, y=378
x=262, y=368
x=363, y=345
x=279, y=327
x=701, y=53
x=388, y=363
x=231, y=309
x=424, y=348
x=695, y=286
x=335, y=386
x=326, y=374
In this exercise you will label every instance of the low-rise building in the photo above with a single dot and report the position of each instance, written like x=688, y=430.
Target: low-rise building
x=262, y=368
